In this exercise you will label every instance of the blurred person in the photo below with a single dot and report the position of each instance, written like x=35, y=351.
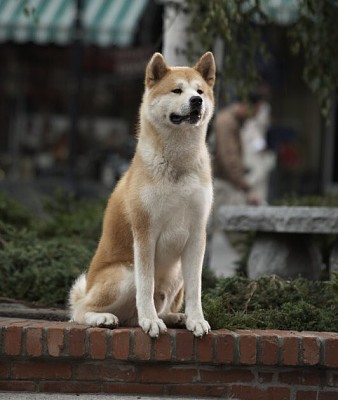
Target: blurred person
x=229, y=169
x=231, y=186
x=258, y=160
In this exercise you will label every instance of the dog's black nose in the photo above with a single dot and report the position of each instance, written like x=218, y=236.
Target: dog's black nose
x=196, y=101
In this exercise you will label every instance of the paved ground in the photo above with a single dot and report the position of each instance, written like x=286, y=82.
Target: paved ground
x=47, y=396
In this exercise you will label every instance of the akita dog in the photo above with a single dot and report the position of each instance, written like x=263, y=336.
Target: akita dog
x=154, y=228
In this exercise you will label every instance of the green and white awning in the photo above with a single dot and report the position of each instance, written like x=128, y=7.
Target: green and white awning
x=105, y=22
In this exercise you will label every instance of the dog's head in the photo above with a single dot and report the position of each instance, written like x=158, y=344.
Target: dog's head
x=179, y=97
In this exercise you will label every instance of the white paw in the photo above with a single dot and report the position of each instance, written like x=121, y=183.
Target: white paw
x=152, y=326
x=198, y=327
x=101, y=319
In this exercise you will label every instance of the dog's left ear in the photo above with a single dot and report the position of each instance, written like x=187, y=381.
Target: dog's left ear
x=156, y=69
x=207, y=68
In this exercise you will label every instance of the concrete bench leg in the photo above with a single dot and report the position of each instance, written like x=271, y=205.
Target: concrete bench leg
x=333, y=264
x=286, y=255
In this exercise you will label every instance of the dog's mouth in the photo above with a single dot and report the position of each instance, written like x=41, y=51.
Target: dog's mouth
x=193, y=117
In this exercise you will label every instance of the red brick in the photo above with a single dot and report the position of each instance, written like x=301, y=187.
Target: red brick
x=219, y=374
x=328, y=395
x=167, y=374
x=251, y=393
x=3, y=322
x=41, y=370
x=290, y=350
x=142, y=345
x=163, y=347
x=205, y=348
x=247, y=348
x=6, y=322
x=265, y=377
x=69, y=387
x=55, y=341
x=34, y=341
x=104, y=372
x=98, y=343
x=310, y=350
x=4, y=370
x=18, y=386
x=306, y=395
x=120, y=344
x=225, y=347
x=184, y=345
x=133, y=388
x=194, y=390
x=301, y=377
x=331, y=353
x=332, y=378
x=269, y=354
x=77, y=337
x=22, y=323
x=12, y=340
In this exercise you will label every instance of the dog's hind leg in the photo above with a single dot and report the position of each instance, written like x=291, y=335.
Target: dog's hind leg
x=171, y=315
x=101, y=319
x=107, y=301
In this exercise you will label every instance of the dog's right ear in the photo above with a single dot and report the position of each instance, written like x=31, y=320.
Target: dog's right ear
x=156, y=69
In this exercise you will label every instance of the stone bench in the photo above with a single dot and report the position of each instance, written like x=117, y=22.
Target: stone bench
x=284, y=244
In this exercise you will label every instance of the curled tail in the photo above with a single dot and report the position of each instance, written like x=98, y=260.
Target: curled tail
x=76, y=298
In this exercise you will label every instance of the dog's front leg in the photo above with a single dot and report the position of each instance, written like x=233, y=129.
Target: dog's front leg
x=144, y=254
x=192, y=261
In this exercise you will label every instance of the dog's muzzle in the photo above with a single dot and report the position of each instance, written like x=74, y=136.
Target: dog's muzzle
x=194, y=115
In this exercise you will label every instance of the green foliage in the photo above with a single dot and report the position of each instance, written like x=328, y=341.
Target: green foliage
x=39, y=259
x=37, y=270
x=272, y=303
x=335, y=282
x=315, y=33
x=71, y=217
x=12, y=212
x=225, y=19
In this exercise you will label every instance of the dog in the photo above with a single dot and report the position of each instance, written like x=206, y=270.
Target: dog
x=154, y=228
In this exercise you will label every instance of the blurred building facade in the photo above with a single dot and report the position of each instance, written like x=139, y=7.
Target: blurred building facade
x=56, y=53
x=51, y=59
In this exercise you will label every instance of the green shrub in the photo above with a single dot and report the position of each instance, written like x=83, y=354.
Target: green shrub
x=39, y=259
x=271, y=302
x=12, y=212
x=70, y=217
x=36, y=270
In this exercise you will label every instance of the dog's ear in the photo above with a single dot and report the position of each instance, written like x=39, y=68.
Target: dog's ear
x=156, y=69
x=207, y=68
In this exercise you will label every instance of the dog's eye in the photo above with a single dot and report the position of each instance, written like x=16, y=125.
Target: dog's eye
x=177, y=91
x=199, y=91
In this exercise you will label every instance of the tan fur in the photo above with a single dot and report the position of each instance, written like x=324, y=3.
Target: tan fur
x=153, y=231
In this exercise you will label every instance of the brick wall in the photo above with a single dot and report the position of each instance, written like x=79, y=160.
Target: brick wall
x=247, y=365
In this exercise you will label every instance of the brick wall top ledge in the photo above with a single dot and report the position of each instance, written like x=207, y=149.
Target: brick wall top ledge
x=60, y=340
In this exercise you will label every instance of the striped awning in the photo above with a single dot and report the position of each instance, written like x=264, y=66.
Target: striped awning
x=105, y=22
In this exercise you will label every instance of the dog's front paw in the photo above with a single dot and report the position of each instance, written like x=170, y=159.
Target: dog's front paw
x=198, y=327
x=101, y=319
x=152, y=326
